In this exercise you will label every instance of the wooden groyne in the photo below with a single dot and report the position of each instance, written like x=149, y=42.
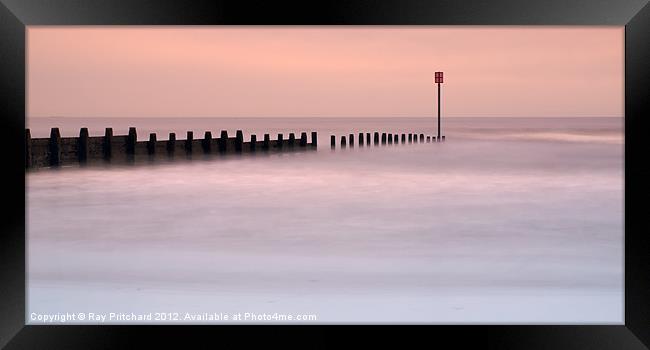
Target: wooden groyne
x=383, y=138
x=56, y=150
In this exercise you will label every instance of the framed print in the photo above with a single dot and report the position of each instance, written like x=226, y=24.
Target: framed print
x=468, y=172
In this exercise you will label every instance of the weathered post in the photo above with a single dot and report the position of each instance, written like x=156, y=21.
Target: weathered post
x=151, y=144
x=280, y=140
x=292, y=139
x=28, y=149
x=131, y=139
x=303, y=139
x=171, y=144
x=368, y=138
x=376, y=138
x=314, y=139
x=108, y=144
x=82, y=146
x=239, y=141
x=223, y=141
x=360, y=139
x=351, y=139
x=266, y=144
x=253, y=142
x=55, y=147
x=206, y=143
x=403, y=138
x=390, y=139
x=343, y=141
x=333, y=141
x=188, y=142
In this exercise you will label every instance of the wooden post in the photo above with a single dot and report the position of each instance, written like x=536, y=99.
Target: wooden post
x=267, y=142
x=55, y=147
x=131, y=139
x=343, y=141
x=292, y=139
x=410, y=138
x=223, y=141
x=351, y=139
x=383, y=138
x=421, y=138
x=108, y=143
x=396, y=138
x=360, y=139
x=82, y=145
x=171, y=144
x=188, y=142
x=206, y=143
x=314, y=139
x=403, y=138
x=390, y=139
x=368, y=138
x=239, y=140
x=280, y=140
x=428, y=139
x=415, y=138
x=303, y=139
x=253, y=143
x=151, y=144
x=376, y=138
x=28, y=149
x=333, y=141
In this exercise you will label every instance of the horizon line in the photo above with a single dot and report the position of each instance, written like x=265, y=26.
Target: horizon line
x=308, y=117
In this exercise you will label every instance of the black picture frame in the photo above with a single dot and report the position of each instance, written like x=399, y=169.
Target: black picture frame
x=15, y=15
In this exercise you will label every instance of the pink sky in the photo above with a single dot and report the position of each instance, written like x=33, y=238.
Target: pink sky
x=324, y=71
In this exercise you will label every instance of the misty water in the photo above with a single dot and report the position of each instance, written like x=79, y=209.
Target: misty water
x=511, y=220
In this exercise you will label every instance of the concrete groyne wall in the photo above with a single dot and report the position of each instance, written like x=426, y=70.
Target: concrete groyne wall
x=57, y=150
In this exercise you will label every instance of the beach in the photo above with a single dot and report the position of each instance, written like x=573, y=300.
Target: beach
x=510, y=220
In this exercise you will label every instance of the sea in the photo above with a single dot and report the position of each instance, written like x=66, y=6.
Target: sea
x=509, y=221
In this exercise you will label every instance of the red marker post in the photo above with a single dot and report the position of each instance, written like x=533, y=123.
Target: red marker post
x=438, y=80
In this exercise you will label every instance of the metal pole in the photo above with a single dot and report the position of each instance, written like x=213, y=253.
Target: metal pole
x=439, y=136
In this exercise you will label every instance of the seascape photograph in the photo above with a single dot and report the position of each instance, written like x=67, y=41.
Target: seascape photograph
x=324, y=174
